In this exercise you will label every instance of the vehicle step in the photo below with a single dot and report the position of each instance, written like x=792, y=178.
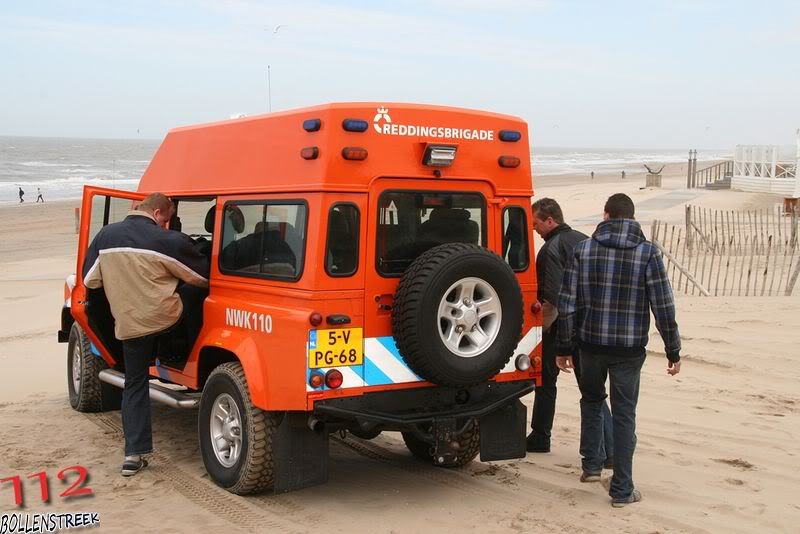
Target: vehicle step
x=158, y=392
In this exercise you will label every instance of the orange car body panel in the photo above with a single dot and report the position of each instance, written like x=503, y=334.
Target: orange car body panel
x=258, y=158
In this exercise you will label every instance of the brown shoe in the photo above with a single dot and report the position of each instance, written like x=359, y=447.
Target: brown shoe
x=590, y=477
x=635, y=496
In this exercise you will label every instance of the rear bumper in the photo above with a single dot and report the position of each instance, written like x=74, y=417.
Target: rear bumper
x=404, y=409
x=439, y=416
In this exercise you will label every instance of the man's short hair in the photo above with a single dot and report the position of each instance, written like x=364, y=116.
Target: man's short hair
x=547, y=207
x=155, y=201
x=619, y=206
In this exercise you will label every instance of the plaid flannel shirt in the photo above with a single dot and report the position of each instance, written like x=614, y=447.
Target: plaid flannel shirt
x=613, y=281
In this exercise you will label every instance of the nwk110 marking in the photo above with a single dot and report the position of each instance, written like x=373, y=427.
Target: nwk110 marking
x=257, y=322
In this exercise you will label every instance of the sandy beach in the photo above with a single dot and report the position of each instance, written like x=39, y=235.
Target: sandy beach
x=717, y=445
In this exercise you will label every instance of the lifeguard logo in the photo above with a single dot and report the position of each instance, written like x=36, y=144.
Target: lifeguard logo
x=383, y=113
x=383, y=125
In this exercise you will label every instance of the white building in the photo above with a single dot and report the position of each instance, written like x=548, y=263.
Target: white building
x=767, y=169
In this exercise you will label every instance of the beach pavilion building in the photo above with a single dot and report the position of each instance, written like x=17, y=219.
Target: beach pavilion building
x=767, y=169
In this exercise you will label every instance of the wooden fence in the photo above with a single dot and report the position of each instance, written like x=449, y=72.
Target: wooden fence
x=750, y=253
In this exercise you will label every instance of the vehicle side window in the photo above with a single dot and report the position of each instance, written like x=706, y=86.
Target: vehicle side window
x=515, y=238
x=341, y=252
x=263, y=239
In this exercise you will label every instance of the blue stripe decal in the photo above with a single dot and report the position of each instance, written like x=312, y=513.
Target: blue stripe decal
x=373, y=376
x=389, y=344
x=162, y=373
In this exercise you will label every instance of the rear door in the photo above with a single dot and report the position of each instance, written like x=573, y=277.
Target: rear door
x=100, y=207
x=402, y=224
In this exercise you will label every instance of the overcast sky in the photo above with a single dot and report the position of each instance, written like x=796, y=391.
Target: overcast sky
x=672, y=74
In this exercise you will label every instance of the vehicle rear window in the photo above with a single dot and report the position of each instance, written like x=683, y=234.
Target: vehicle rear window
x=411, y=222
x=341, y=251
x=264, y=239
x=515, y=238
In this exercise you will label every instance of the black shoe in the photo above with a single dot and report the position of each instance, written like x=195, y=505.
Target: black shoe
x=534, y=446
x=131, y=467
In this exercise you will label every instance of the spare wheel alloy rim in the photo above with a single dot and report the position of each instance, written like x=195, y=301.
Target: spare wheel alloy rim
x=469, y=317
x=226, y=430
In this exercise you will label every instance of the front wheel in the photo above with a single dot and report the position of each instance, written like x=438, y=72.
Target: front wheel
x=235, y=436
x=86, y=392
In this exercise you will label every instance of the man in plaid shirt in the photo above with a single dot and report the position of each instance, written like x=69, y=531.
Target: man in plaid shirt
x=612, y=283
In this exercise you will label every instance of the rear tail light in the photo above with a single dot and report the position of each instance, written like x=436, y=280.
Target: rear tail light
x=508, y=161
x=315, y=319
x=523, y=362
x=316, y=380
x=354, y=153
x=334, y=378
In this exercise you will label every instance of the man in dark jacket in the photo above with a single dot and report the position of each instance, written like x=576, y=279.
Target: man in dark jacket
x=560, y=240
x=139, y=264
x=609, y=288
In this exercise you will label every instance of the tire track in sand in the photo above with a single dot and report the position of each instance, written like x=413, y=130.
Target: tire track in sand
x=234, y=509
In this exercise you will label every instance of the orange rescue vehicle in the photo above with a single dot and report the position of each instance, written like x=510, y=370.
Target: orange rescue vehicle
x=372, y=270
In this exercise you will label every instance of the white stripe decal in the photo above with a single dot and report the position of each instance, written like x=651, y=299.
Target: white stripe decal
x=95, y=265
x=525, y=346
x=387, y=363
x=153, y=253
x=351, y=378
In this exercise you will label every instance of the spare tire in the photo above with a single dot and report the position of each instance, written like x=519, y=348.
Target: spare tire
x=457, y=314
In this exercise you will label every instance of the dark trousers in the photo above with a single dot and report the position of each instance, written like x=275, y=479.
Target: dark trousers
x=138, y=353
x=544, y=399
x=136, y=422
x=623, y=373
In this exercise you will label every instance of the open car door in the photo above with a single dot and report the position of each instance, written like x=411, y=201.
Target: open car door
x=90, y=308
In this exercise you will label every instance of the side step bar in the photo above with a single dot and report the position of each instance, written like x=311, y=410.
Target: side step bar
x=159, y=393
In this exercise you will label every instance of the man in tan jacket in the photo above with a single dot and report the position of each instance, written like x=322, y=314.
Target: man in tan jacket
x=139, y=264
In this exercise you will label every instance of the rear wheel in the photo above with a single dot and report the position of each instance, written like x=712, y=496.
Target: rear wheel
x=235, y=436
x=86, y=392
x=469, y=446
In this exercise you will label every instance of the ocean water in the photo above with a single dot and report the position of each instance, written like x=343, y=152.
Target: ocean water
x=60, y=167
x=549, y=161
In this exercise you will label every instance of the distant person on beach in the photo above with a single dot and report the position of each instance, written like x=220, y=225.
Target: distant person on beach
x=555, y=254
x=623, y=175
x=592, y=175
x=21, y=194
x=39, y=195
x=613, y=282
x=139, y=264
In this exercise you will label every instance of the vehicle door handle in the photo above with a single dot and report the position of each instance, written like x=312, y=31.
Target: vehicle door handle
x=337, y=319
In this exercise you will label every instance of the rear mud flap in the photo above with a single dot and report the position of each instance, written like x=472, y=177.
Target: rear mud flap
x=300, y=455
x=503, y=433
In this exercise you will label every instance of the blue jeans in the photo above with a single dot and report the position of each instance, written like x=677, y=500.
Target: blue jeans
x=544, y=399
x=136, y=422
x=623, y=373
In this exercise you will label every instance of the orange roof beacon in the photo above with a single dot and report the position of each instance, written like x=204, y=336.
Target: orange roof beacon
x=371, y=270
